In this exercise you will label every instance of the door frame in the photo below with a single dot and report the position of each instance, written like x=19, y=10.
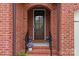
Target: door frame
x=76, y=21
x=44, y=22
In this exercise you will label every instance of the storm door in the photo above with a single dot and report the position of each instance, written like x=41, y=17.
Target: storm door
x=39, y=24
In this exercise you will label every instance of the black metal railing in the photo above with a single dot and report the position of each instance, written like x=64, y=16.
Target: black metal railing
x=26, y=41
x=49, y=39
x=50, y=43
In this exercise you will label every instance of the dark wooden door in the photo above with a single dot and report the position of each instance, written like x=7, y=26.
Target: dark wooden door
x=39, y=24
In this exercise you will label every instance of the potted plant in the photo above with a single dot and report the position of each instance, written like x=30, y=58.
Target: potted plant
x=30, y=45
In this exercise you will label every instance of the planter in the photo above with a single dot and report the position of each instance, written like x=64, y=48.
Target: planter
x=29, y=49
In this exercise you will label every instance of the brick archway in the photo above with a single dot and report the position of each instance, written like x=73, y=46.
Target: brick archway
x=31, y=18
x=53, y=22
x=22, y=24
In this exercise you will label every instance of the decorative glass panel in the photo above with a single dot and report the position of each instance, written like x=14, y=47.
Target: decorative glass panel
x=39, y=24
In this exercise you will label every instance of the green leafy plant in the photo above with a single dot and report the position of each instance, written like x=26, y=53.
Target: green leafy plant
x=22, y=54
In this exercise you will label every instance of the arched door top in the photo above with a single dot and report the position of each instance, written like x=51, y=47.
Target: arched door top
x=49, y=7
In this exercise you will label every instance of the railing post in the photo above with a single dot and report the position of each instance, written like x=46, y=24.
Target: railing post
x=50, y=43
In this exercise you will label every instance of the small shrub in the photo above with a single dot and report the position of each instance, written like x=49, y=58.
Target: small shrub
x=22, y=54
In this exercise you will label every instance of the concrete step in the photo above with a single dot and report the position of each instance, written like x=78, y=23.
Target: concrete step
x=41, y=47
x=41, y=44
x=40, y=51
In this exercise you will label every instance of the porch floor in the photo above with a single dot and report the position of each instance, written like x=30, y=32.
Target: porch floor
x=41, y=44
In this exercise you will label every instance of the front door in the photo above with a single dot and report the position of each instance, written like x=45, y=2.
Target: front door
x=39, y=24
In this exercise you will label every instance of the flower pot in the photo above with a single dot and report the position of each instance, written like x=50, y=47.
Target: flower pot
x=29, y=49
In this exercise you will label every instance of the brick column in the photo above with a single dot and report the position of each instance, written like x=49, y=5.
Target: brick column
x=20, y=28
x=66, y=37
x=54, y=31
x=6, y=29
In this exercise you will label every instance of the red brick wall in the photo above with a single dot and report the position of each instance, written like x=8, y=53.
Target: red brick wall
x=6, y=29
x=54, y=30
x=47, y=22
x=20, y=33
x=66, y=27
x=30, y=23
x=66, y=40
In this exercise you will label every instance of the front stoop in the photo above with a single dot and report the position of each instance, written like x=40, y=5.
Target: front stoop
x=40, y=51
